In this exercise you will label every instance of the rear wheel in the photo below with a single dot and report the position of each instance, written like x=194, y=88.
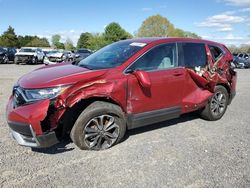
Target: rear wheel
x=100, y=126
x=217, y=105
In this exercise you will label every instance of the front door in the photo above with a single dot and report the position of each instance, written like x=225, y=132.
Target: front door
x=165, y=94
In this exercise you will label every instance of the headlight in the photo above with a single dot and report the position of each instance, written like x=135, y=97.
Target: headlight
x=46, y=93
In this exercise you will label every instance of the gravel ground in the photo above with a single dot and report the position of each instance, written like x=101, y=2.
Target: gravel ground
x=187, y=152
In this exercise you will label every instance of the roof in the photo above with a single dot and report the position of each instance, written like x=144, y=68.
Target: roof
x=169, y=39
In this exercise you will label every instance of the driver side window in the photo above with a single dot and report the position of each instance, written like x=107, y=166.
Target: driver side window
x=158, y=58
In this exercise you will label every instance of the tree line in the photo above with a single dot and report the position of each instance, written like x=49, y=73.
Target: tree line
x=153, y=26
x=244, y=48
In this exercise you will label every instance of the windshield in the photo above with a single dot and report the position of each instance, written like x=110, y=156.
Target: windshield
x=112, y=55
x=27, y=50
x=52, y=52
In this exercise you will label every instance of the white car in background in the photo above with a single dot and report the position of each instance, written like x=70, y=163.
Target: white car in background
x=29, y=55
x=58, y=56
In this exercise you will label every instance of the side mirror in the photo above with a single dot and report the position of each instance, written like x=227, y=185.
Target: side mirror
x=143, y=78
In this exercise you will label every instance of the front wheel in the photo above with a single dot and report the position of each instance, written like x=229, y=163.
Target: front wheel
x=6, y=59
x=217, y=105
x=34, y=60
x=100, y=126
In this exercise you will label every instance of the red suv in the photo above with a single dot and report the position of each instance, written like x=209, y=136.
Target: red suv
x=125, y=85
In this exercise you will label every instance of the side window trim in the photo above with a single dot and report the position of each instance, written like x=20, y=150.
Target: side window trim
x=126, y=70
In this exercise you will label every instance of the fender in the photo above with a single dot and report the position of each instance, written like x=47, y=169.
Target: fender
x=85, y=90
x=98, y=88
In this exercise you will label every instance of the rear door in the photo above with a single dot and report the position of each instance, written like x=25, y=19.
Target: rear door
x=193, y=56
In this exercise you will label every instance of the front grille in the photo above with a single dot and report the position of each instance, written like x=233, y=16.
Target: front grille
x=55, y=59
x=18, y=97
x=23, y=57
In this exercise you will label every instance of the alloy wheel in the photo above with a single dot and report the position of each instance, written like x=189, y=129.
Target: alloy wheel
x=101, y=132
x=218, y=103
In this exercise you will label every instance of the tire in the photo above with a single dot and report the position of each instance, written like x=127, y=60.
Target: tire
x=34, y=60
x=100, y=126
x=217, y=105
x=16, y=61
x=6, y=60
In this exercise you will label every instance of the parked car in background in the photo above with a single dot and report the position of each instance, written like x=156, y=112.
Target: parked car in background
x=70, y=55
x=246, y=56
x=7, y=54
x=58, y=56
x=241, y=60
x=125, y=85
x=238, y=62
x=29, y=55
x=82, y=53
x=47, y=50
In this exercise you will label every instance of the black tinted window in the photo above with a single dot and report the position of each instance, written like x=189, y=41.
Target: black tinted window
x=192, y=55
x=216, y=52
x=160, y=57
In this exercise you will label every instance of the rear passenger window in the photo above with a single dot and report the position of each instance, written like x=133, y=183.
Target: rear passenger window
x=192, y=55
x=216, y=52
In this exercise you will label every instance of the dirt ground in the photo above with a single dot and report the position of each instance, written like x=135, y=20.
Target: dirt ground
x=186, y=152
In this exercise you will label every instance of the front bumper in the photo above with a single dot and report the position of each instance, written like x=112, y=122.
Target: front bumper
x=29, y=137
x=53, y=61
x=25, y=124
x=23, y=59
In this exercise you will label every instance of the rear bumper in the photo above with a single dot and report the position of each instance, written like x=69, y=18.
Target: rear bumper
x=25, y=136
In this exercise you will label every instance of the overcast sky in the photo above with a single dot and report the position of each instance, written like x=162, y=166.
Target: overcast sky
x=226, y=21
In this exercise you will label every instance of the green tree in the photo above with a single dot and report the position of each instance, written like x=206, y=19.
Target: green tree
x=84, y=40
x=156, y=26
x=60, y=45
x=9, y=38
x=97, y=41
x=38, y=42
x=179, y=33
x=114, y=32
x=69, y=44
x=56, y=42
x=55, y=39
x=24, y=40
x=191, y=35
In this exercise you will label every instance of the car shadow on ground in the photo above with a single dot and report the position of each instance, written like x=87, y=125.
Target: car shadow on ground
x=181, y=119
x=62, y=146
x=56, y=149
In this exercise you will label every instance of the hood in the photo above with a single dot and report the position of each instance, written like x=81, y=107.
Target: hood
x=25, y=53
x=56, y=75
x=59, y=54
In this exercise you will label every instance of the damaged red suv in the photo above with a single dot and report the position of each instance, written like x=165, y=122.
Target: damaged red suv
x=125, y=85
